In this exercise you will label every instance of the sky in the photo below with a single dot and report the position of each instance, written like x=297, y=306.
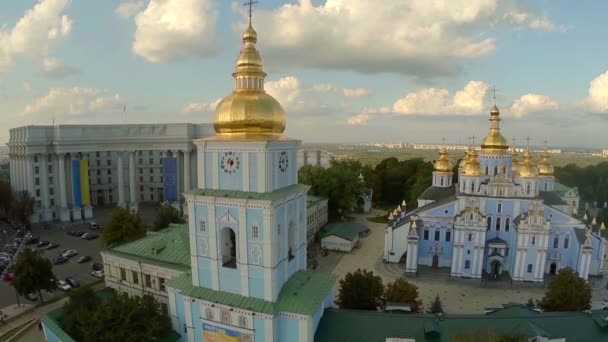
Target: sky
x=344, y=70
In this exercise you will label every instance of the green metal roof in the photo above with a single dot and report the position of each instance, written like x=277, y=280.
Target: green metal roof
x=560, y=188
x=345, y=230
x=266, y=196
x=51, y=322
x=311, y=200
x=169, y=247
x=303, y=294
x=370, y=326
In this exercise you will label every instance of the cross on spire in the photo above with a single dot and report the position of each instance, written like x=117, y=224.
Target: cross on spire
x=250, y=3
x=546, y=144
x=513, y=143
x=473, y=138
x=494, y=90
x=528, y=142
x=443, y=140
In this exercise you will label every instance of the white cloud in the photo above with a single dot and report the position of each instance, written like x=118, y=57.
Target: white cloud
x=27, y=86
x=73, y=101
x=41, y=30
x=434, y=101
x=324, y=88
x=128, y=9
x=531, y=103
x=170, y=30
x=192, y=108
x=359, y=92
x=386, y=36
x=597, y=97
x=55, y=68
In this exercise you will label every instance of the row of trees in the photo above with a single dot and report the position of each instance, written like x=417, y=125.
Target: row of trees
x=362, y=290
x=592, y=181
x=17, y=206
x=121, y=318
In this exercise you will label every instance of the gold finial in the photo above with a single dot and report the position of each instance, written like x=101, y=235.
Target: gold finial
x=390, y=217
x=414, y=224
x=593, y=222
x=250, y=3
x=398, y=209
x=443, y=164
x=403, y=204
x=544, y=166
x=602, y=227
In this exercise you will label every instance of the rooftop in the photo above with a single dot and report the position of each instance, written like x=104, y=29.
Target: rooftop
x=303, y=293
x=346, y=230
x=264, y=196
x=310, y=200
x=435, y=193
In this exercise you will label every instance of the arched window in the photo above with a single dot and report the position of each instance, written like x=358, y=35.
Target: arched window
x=472, y=187
x=528, y=188
x=209, y=314
x=255, y=232
x=448, y=235
x=567, y=241
x=467, y=264
x=499, y=207
x=226, y=316
x=546, y=186
x=470, y=236
x=489, y=220
x=291, y=238
x=498, y=224
x=228, y=244
x=533, y=240
x=441, y=181
x=556, y=241
x=495, y=170
x=487, y=170
x=507, y=224
x=203, y=225
x=426, y=234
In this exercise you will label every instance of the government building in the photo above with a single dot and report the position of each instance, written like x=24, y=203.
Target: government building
x=503, y=218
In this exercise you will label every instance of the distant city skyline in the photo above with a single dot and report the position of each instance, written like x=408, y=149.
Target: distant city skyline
x=345, y=71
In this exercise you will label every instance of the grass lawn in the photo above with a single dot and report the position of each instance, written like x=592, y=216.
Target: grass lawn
x=378, y=219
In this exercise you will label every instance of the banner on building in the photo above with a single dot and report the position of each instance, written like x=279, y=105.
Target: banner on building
x=170, y=179
x=214, y=333
x=80, y=183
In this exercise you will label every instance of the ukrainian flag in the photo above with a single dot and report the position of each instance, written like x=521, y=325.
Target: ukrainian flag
x=80, y=182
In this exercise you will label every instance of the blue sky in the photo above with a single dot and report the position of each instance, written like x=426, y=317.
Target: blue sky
x=345, y=70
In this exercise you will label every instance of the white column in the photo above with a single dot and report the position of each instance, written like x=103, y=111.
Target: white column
x=44, y=181
x=19, y=178
x=132, y=193
x=200, y=167
x=454, y=259
x=178, y=173
x=31, y=185
x=121, y=180
x=186, y=170
x=64, y=214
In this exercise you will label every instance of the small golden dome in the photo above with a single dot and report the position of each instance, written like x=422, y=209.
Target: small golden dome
x=472, y=167
x=443, y=164
x=514, y=163
x=544, y=166
x=527, y=169
x=463, y=161
x=249, y=112
x=494, y=142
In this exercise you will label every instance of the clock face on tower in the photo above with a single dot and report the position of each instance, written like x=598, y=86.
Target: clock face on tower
x=230, y=162
x=283, y=161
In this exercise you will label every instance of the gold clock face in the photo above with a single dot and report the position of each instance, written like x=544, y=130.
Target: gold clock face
x=230, y=162
x=283, y=161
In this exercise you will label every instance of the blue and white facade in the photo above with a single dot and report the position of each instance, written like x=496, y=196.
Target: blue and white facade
x=502, y=216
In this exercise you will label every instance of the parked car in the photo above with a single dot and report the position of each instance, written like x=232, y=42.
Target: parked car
x=52, y=245
x=97, y=266
x=97, y=274
x=60, y=260
x=31, y=297
x=9, y=276
x=32, y=240
x=63, y=285
x=92, y=225
x=604, y=304
x=90, y=236
x=43, y=244
x=69, y=253
x=84, y=259
x=74, y=283
x=76, y=233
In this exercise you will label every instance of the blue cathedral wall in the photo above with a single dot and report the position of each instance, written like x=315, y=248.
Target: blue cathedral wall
x=253, y=172
x=197, y=322
x=288, y=329
x=234, y=180
x=181, y=315
x=259, y=327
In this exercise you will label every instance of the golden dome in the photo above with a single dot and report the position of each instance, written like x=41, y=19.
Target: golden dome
x=472, y=166
x=527, y=169
x=514, y=163
x=249, y=112
x=544, y=166
x=443, y=164
x=494, y=142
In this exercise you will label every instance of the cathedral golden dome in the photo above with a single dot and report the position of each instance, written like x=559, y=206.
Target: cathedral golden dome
x=527, y=169
x=249, y=112
x=472, y=166
x=494, y=142
x=514, y=163
x=443, y=164
x=544, y=166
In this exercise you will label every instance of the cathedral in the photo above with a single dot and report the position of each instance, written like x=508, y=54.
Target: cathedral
x=504, y=218
x=247, y=226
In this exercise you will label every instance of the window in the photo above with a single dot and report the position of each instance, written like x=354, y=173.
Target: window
x=225, y=315
x=141, y=161
x=498, y=224
x=468, y=252
x=489, y=220
x=533, y=240
x=487, y=171
x=499, y=208
x=151, y=169
x=109, y=162
x=151, y=197
x=528, y=188
x=242, y=321
x=203, y=225
x=141, y=197
x=38, y=192
x=97, y=154
x=151, y=179
x=255, y=232
x=50, y=169
x=507, y=251
x=556, y=242
x=51, y=191
x=37, y=181
x=507, y=224
x=148, y=280
x=108, y=154
x=140, y=153
x=529, y=268
x=35, y=159
x=123, y=274
x=470, y=237
x=151, y=161
x=448, y=235
x=467, y=264
x=99, y=172
x=110, y=181
x=495, y=170
x=109, y=172
x=98, y=163
x=52, y=201
x=36, y=170
x=185, y=329
x=164, y=308
x=566, y=241
x=161, y=284
x=141, y=171
x=437, y=235
x=141, y=179
x=545, y=186
x=472, y=187
x=135, y=278
x=208, y=314
x=426, y=234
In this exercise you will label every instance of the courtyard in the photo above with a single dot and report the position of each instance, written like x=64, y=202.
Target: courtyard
x=457, y=295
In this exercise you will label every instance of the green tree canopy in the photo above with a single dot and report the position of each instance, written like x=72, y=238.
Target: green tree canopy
x=487, y=336
x=22, y=207
x=123, y=227
x=122, y=318
x=436, y=306
x=33, y=273
x=401, y=291
x=567, y=292
x=592, y=181
x=6, y=198
x=394, y=181
x=361, y=290
x=166, y=215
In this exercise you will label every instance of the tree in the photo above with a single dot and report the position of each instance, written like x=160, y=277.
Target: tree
x=530, y=304
x=166, y=215
x=361, y=290
x=77, y=311
x=567, y=292
x=22, y=207
x=6, y=198
x=487, y=336
x=123, y=227
x=436, y=306
x=400, y=291
x=33, y=273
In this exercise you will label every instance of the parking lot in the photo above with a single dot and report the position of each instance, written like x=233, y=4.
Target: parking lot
x=57, y=233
